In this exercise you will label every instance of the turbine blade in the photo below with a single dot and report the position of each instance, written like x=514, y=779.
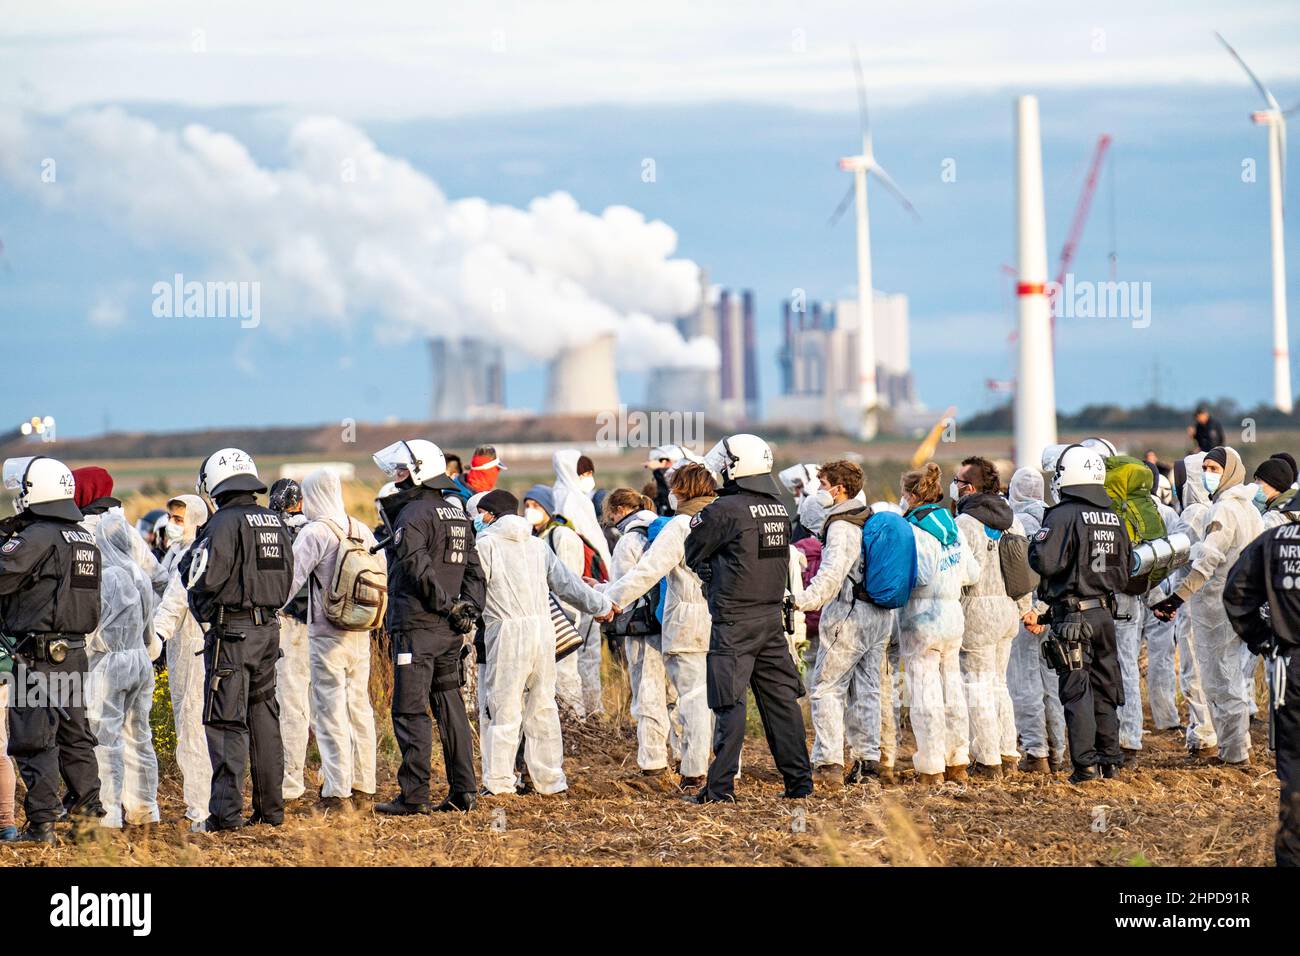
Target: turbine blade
x=1292, y=110
x=1263, y=90
x=864, y=119
x=844, y=204
x=887, y=181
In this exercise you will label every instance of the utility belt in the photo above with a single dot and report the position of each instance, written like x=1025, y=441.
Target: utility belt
x=48, y=646
x=1070, y=631
x=1073, y=605
x=258, y=616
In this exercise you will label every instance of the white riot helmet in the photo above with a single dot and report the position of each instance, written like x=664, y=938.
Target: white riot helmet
x=230, y=469
x=799, y=479
x=1104, y=447
x=423, y=459
x=1072, y=465
x=746, y=460
x=43, y=486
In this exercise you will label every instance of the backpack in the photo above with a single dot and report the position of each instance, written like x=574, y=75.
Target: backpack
x=593, y=565
x=646, y=615
x=811, y=548
x=1128, y=483
x=888, y=557
x=1018, y=578
x=358, y=593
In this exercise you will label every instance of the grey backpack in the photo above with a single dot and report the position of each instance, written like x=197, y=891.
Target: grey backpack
x=1018, y=577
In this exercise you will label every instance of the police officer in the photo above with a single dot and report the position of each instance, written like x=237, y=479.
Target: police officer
x=49, y=602
x=435, y=595
x=1262, y=600
x=238, y=572
x=739, y=546
x=1082, y=553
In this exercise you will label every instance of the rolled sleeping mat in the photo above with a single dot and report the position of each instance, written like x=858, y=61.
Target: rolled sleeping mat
x=1160, y=553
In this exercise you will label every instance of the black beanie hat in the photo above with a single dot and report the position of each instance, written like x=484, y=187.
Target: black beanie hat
x=1283, y=456
x=1217, y=455
x=1275, y=472
x=498, y=502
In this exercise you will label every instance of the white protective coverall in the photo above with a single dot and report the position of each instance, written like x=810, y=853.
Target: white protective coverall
x=574, y=504
x=1233, y=522
x=339, y=660
x=1195, y=504
x=992, y=620
x=1035, y=689
x=519, y=674
x=183, y=638
x=930, y=632
x=1159, y=635
x=141, y=555
x=645, y=660
x=852, y=638
x=119, y=692
x=686, y=627
x=293, y=690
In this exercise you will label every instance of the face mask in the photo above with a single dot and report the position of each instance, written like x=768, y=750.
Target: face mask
x=534, y=516
x=479, y=523
x=173, y=532
x=1261, y=499
x=672, y=501
x=1211, y=481
x=587, y=484
x=824, y=498
x=953, y=491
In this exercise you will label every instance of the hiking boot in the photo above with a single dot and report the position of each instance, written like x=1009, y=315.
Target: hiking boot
x=703, y=797
x=1130, y=759
x=361, y=797
x=257, y=819
x=1084, y=774
x=829, y=777
x=1035, y=765
x=8, y=834
x=213, y=825
x=1058, y=762
x=335, y=804
x=885, y=774
x=691, y=783
x=458, y=803
x=1110, y=771
x=397, y=807
x=933, y=779
x=37, y=833
x=862, y=771
x=1010, y=765
x=990, y=772
x=954, y=774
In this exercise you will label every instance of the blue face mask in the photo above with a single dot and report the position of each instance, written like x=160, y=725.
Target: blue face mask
x=1261, y=499
x=479, y=523
x=1211, y=481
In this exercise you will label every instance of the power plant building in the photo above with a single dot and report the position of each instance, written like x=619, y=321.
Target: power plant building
x=468, y=379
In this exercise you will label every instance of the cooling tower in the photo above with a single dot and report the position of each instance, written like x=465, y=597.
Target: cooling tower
x=581, y=380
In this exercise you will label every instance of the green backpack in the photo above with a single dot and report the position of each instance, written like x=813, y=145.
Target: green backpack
x=1128, y=483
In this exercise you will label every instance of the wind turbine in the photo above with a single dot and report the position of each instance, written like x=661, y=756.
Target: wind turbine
x=1275, y=119
x=860, y=166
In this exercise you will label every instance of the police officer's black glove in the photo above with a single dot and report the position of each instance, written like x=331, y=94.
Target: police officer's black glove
x=1167, y=608
x=1263, y=647
x=463, y=617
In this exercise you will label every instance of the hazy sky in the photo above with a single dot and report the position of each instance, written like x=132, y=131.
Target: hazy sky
x=205, y=139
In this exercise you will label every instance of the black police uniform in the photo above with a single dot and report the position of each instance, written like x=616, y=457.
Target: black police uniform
x=49, y=602
x=239, y=572
x=739, y=545
x=432, y=566
x=1262, y=600
x=1082, y=553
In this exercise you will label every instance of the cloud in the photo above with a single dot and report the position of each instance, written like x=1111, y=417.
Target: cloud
x=343, y=233
x=107, y=312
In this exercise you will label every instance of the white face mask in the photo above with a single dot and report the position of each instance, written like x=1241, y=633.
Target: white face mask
x=173, y=532
x=1211, y=481
x=824, y=498
x=953, y=491
x=534, y=516
x=672, y=501
x=587, y=484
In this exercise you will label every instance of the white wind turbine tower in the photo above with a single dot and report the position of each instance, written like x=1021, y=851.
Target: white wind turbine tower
x=1275, y=119
x=860, y=166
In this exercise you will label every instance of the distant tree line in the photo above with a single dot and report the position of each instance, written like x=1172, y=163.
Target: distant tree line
x=1149, y=416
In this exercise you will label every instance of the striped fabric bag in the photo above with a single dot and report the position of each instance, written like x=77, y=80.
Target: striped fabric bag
x=567, y=638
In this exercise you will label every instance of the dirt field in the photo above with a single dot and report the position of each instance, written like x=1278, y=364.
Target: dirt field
x=1167, y=813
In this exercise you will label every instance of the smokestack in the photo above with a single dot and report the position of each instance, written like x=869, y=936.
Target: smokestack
x=751, y=356
x=1035, y=403
x=581, y=379
x=726, y=345
x=787, y=351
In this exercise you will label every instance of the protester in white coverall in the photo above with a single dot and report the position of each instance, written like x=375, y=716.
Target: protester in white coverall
x=991, y=618
x=852, y=633
x=519, y=675
x=1232, y=524
x=183, y=637
x=119, y=695
x=1035, y=694
x=293, y=669
x=339, y=660
x=539, y=512
x=931, y=626
x=647, y=675
x=572, y=490
x=1201, y=737
x=686, y=621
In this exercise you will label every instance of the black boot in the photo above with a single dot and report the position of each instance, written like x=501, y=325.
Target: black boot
x=1084, y=774
x=37, y=833
x=1110, y=771
x=462, y=802
x=397, y=807
x=862, y=771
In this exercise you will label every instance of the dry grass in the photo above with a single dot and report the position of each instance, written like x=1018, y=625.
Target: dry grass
x=1166, y=813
